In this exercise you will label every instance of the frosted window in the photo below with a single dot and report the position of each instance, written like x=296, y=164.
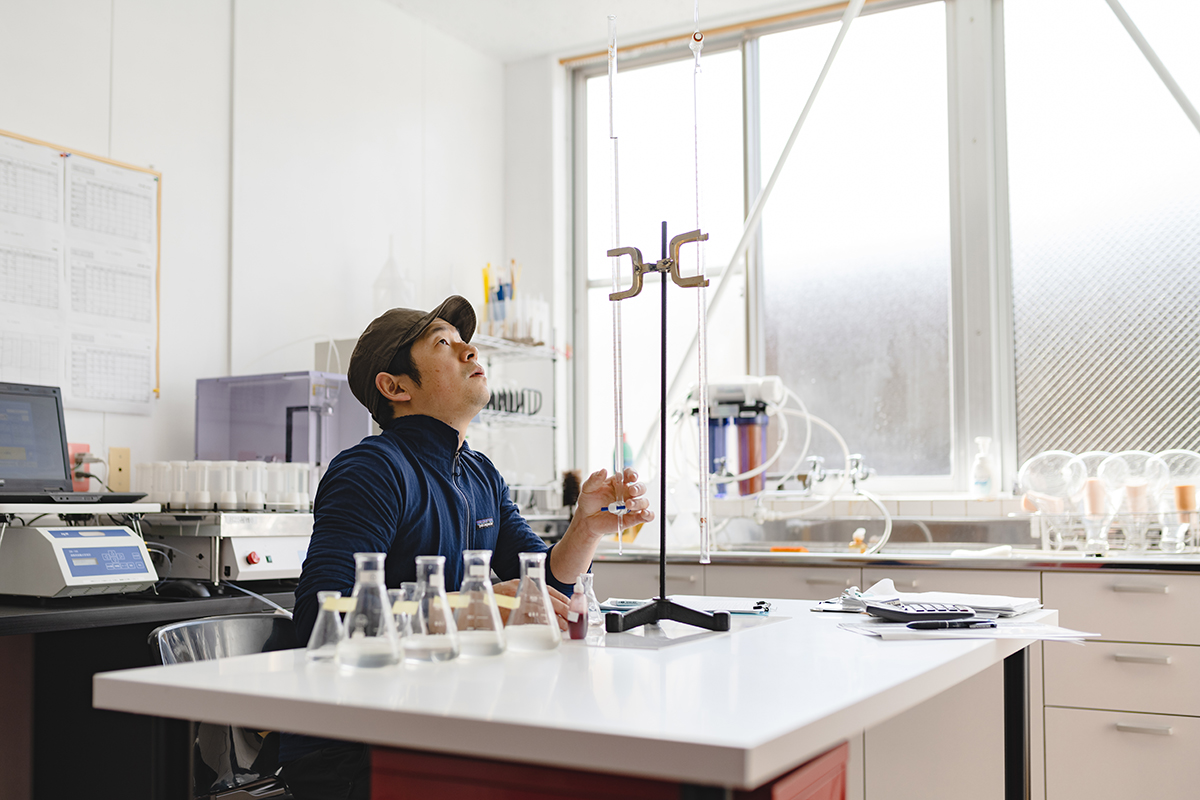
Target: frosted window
x=654, y=126
x=856, y=238
x=1105, y=217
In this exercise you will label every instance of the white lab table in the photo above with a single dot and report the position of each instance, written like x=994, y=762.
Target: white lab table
x=723, y=709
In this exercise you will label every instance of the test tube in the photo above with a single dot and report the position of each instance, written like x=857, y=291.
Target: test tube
x=179, y=485
x=198, y=496
x=251, y=488
x=225, y=488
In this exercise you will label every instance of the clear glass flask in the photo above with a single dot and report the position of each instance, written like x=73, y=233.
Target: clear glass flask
x=434, y=636
x=595, y=616
x=480, y=631
x=369, y=637
x=532, y=625
x=404, y=607
x=327, y=632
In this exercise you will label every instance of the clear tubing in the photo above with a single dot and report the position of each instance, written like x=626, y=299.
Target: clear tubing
x=697, y=44
x=614, y=209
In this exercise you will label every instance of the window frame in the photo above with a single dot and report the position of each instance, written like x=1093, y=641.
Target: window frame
x=982, y=368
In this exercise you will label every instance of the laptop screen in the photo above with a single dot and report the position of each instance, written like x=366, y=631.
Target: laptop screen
x=33, y=453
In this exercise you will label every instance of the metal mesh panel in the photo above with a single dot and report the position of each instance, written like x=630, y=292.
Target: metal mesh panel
x=1107, y=329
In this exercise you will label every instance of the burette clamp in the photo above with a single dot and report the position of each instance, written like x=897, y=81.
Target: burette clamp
x=670, y=265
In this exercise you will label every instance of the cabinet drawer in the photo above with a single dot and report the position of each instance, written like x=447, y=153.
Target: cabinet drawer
x=640, y=581
x=784, y=582
x=1107, y=754
x=971, y=581
x=1154, y=678
x=1127, y=608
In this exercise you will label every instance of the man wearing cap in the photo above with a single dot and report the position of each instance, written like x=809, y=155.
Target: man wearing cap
x=419, y=489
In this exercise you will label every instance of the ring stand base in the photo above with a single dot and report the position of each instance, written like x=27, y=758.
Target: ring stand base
x=660, y=609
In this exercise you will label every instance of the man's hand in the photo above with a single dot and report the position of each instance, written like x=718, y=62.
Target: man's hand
x=557, y=599
x=600, y=491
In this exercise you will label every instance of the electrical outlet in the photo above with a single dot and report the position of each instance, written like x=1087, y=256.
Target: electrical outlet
x=118, y=469
x=78, y=484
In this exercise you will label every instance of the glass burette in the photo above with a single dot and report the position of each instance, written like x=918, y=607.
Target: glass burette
x=618, y=506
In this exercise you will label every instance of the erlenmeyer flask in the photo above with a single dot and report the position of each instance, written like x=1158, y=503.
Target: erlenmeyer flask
x=595, y=617
x=327, y=631
x=369, y=638
x=404, y=607
x=480, y=632
x=532, y=625
x=434, y=637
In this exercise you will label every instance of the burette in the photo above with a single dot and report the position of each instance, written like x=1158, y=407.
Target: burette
x=614, y=210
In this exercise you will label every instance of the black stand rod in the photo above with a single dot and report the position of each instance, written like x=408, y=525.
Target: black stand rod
x=661, y=608
x=1016, y=726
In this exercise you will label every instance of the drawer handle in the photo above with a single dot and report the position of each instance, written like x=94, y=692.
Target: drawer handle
x=829, y=581
x=1155, y=730
x=1129, y=658
x=1142, y=588
x=905, y=584
x=688, y=578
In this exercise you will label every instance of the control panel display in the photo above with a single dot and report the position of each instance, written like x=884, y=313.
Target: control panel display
x=86, y=533
x=87, y=562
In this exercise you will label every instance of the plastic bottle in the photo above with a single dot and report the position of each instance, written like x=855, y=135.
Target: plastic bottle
x=983, y=471
x=577, y=611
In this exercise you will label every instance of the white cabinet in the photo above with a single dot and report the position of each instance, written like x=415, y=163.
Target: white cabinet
x=1123, y=713
x=784, y=582
x=967, y=756
x=639, y=581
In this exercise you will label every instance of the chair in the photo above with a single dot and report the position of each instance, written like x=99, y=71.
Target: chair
x=227, y=762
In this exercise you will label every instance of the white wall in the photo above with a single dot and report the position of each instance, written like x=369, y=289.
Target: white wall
x=294, y=135
x=353, y=122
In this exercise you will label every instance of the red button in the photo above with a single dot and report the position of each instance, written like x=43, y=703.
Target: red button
x=252, y=557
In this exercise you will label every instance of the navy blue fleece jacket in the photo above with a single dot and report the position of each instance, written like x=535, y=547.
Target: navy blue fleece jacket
x=407, y=492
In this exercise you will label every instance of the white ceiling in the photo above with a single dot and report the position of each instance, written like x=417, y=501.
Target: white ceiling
x=514, y=30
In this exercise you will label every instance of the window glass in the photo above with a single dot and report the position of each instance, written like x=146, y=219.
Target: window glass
x=856, y=237
x=1103, y=172
x=657, y=182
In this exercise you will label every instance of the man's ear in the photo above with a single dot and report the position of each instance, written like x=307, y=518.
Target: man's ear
x=393, y=387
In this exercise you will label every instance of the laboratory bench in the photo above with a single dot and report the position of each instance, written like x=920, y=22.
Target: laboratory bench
x=1127, y=698
x=53, y=743
x=714, y=712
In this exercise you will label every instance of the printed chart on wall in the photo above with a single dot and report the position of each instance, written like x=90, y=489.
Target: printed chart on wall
x=78, y=275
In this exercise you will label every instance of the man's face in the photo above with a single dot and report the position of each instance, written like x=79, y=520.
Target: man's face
x=453, y=383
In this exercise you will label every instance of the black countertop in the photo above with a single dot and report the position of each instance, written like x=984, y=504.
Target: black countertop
x=21, y=615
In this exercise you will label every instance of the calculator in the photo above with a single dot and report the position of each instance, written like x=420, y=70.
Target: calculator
x=913, y=612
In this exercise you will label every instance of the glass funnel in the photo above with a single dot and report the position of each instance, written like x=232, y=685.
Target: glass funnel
x=1180, y=496
x=434, y=637
x=369, y=636
x=532, y=625
x=1098, y=506
x=327, y=631
x=1141, y=476
x=480, y=631
x=1054, y=481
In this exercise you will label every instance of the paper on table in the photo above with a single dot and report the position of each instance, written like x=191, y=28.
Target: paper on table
x=1005, y=629
x=885, y=591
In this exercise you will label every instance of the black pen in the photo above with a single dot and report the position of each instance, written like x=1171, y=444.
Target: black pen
x=937, y=624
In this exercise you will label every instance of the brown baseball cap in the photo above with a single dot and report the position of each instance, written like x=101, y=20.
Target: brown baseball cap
x=389, y=332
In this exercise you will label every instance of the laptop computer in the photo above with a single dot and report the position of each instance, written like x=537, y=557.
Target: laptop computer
x=34, y=466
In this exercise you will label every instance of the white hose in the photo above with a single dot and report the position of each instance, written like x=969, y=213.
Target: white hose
x=761, y=468
x=887, y=524
x=763, y=514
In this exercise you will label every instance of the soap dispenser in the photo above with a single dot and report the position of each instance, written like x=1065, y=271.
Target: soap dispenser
x=984, y=477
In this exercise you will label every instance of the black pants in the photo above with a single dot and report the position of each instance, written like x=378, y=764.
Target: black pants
x=341, y=772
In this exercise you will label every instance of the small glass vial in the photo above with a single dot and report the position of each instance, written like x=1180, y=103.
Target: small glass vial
x=595, y=616
x=327, y=632
x=434, y=637
x=480, y=631
x=532, y=625
x=369, y=636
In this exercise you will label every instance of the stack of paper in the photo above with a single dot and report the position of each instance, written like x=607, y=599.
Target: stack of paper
x=1004, y=630
x=985, y=605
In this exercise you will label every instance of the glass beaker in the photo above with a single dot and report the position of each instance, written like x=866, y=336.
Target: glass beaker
x=369, y=637
x=595, y=616
x=532, y=625
x=327, y=631
x=434, y=636
x=480, y=631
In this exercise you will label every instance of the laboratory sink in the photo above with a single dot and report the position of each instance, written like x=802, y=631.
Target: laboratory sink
x=909, y=536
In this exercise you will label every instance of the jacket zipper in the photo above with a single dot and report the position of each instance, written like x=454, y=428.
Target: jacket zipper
x=455, y=472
